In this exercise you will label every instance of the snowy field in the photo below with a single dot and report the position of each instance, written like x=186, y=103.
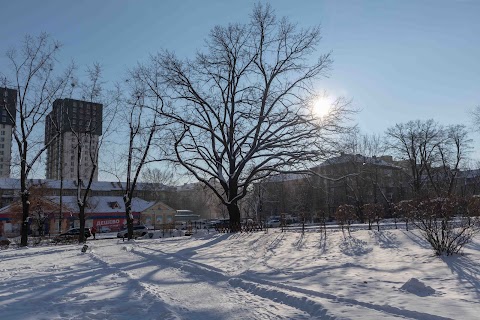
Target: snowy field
x=391, y=274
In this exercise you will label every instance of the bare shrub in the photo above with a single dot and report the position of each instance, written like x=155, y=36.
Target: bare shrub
x=345, y=215
x=405, y=209
x=446, y=229
x=373, y=212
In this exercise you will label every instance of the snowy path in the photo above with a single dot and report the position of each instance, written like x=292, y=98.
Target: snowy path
x=315, y=304
x=240, y=276
x=192, y=292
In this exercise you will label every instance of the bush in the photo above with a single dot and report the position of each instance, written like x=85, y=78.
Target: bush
x=447, y=230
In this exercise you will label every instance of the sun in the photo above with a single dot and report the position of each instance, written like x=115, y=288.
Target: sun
x=322, y=106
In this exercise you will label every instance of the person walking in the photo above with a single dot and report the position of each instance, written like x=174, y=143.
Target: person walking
x=93, y=230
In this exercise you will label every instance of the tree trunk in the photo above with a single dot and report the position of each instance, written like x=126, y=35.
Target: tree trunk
x=81, y=217
x=25, y=215
x=129, y=217
x=234, y=214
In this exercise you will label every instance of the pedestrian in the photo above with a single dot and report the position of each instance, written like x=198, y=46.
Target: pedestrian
x=93, y=230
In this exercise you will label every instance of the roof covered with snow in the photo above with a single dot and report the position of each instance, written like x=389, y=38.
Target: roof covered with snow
x=10, y=183
x=103, y=204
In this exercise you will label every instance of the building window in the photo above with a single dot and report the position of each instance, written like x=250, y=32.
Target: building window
x=4, y=119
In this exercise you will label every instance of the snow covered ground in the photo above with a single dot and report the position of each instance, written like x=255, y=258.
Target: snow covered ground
x=390, y=274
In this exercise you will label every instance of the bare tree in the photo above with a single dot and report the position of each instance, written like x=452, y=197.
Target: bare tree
x=90, y=137
x=42, y=209
x=158, y=178
x=243, y=108
x=369, y=145
x=453, y=155
x=405, y=209
x=32, y=75
x=142, y=119
x=435, y=154
x=416, y=141
x=373, y=212
x=345, y=215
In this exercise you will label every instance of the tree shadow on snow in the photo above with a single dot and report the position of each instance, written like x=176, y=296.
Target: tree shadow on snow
x=417, y=239
x=351, y=246
x=467, y=270
x=300, y=243
x=322, y=245
x=385, y=239
x=191, y=251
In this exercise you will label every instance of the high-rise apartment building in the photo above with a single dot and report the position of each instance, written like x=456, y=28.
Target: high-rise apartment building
x=8, y=102
x=72, y=118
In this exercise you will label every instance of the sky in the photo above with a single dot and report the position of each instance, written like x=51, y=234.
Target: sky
x=396, y=60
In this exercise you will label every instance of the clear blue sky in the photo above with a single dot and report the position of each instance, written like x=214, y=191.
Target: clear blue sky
x=397, y=60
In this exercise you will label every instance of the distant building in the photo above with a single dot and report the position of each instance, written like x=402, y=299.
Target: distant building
x=346, y=179
x=158, y=215
x=100, y=211
x=8, y=102
x=72, y=117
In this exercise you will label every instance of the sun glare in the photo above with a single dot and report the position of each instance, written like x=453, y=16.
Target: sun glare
x=322, y=105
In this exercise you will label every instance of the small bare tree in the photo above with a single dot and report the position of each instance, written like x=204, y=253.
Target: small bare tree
x=373, y=212
x=37, y=85
x=405, y=209
x=88, y=142
x=142, y=119
x=345, y=215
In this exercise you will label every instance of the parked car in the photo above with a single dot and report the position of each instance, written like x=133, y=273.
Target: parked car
x=71, y=234
x=138, y=231
x=273, y=223
x=105, y=229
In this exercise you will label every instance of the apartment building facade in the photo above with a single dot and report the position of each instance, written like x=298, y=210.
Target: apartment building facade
x=8, y=102
x=72, y=124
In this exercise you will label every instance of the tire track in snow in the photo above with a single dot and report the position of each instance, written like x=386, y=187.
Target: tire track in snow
x=138, y=285
x=281, y=292
x=215, y=276
x=215, y=280
x=258, y=284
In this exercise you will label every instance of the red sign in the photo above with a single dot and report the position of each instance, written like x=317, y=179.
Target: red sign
x=113, y=223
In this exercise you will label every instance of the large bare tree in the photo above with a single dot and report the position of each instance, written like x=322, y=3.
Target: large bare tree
x=243, y=108
x=435, y=154
x=416, y=141
x=32, y=74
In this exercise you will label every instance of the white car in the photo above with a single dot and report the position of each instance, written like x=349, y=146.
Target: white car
x=138, y=231
x=273, y=223
x=105, y=229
